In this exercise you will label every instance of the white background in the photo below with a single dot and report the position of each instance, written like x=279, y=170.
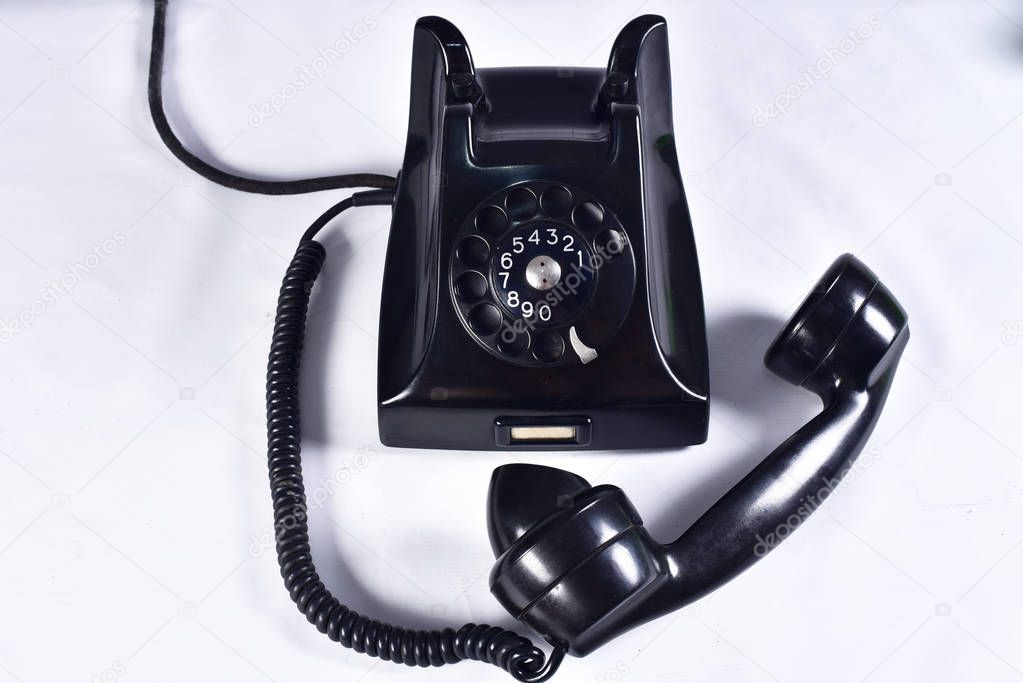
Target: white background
x=135, y=531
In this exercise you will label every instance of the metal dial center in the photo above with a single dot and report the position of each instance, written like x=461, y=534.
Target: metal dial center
x=543, y=272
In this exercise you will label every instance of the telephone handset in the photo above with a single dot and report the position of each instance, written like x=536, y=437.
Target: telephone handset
x=541, y=291
x=557, y=537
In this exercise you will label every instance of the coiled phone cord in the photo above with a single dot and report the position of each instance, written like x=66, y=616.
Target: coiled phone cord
x=512, y=652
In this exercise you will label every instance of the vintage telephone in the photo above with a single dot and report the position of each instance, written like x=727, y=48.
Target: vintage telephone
x=541, y=291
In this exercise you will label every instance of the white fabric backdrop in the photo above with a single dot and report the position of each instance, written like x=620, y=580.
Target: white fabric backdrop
x=136, y=302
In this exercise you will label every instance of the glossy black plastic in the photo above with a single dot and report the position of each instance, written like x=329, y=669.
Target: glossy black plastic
x=475, y=133
x=574, y=561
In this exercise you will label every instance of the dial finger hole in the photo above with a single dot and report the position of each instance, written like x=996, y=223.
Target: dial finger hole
x=548, y=347
x=556, y=201
x=512, y=341
x=588, y=216
x=610, y=243
x=491, y=220
x=473, y=251
x=471, y=286
x=485, y=319
x=521, y=203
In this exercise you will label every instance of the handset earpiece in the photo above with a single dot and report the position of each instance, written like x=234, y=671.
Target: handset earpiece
x=575, y=562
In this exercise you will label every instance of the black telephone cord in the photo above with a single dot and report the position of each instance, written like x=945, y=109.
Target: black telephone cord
x=512, y=652
x=218, y=175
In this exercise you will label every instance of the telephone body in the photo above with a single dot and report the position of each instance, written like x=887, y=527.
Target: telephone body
x=541, y=287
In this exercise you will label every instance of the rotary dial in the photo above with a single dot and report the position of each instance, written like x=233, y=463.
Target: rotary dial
x=542, y=274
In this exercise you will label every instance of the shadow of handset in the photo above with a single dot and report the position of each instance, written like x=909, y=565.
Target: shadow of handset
x=745, y=406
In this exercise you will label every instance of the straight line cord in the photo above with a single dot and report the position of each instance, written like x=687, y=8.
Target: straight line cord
x=218, y=175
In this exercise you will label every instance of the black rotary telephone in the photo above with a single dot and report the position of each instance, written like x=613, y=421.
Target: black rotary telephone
x=541, y=291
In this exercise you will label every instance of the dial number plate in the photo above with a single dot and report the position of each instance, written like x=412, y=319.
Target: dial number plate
x=542, y=274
